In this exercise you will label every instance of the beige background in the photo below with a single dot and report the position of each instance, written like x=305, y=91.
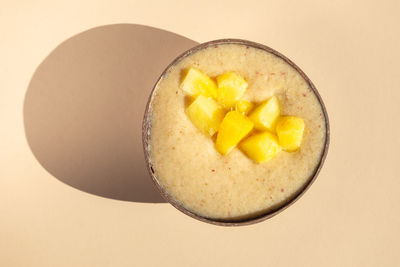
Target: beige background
x=349, y=217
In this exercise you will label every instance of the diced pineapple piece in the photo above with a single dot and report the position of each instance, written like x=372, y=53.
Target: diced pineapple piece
x=231, y=87
x=290, y=131
x=234, y=127
x=264, y=116
x=261, y=147
x=196, y=83
x=244, y=106
x=205, y=114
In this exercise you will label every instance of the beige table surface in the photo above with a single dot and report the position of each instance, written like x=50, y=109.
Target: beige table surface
x=349, y=217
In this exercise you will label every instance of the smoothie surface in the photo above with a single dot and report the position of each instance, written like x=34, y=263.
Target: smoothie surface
x=233, y=186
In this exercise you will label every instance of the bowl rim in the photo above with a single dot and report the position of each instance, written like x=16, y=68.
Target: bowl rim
x=146, y=129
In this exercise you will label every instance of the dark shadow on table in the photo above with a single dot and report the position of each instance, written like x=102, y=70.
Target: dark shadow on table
x=84, y=106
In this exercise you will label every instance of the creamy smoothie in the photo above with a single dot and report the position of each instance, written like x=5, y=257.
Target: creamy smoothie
x=232, y=186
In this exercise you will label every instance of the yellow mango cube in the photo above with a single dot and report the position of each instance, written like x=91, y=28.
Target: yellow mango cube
x=290, y=131
x=205, y=114
x=195, y=83
x=261, y=147
x=244, y=106
x=231, y=87
x=234, y=127
x=265, y=115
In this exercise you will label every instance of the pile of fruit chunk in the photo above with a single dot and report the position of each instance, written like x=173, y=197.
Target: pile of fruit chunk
x=260, y=132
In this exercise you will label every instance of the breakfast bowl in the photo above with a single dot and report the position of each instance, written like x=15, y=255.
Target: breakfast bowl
x=234, y=132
